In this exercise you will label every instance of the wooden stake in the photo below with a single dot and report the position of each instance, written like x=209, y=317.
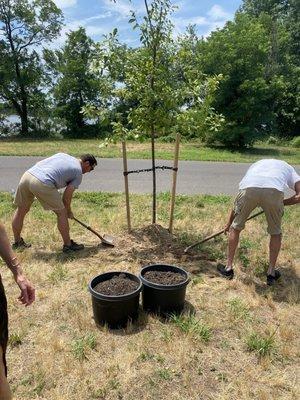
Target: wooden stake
x=153, y=175
x=174, y=182
x=126, y=185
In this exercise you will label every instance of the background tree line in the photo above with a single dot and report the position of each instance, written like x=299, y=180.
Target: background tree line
x=236, y=86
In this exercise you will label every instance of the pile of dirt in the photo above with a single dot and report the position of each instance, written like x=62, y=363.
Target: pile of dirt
x=151, y=240
x=116, y=286
x=164, y=277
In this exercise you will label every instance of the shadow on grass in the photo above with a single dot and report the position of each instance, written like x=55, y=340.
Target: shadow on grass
x=259, y=151
x=132, y=328
x=285, y=290
x=62, y=258
x=166, y=318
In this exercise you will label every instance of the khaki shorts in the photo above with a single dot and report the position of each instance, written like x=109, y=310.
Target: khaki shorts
x=270, y=200
x=3, y=324
x=31, y=187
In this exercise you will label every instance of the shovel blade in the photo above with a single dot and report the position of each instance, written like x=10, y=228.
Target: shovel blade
x=107, y=240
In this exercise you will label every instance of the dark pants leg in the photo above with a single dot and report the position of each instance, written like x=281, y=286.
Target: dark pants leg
x=3, y=323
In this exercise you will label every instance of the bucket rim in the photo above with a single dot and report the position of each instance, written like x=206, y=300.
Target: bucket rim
x=161, y=286
x=120, y=297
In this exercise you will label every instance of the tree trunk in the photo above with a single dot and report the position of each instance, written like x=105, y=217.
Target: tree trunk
x=23, y=110
x=153, y=174
x=24, y=114
x=79, y=119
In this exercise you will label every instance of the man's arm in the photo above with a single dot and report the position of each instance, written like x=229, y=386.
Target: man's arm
x=294, y=199
x=27, y=290
x=67, y=198
x=230, y=219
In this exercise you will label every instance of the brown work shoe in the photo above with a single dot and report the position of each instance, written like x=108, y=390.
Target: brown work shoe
x=20, y=244
x=72, y=247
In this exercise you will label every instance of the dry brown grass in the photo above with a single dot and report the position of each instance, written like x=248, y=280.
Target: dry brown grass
x=57, y=353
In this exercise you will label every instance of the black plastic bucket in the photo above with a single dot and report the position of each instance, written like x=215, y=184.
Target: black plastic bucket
x=115, y=311
x=163, y=299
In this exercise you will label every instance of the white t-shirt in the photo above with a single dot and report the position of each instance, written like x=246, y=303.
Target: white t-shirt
x=275, y=174
x=59, y=171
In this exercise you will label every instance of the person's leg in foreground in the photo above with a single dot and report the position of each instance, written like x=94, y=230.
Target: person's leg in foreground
x=5, y=393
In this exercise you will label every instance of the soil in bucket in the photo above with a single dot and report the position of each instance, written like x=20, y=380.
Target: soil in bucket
x=116, y=286
x=164, y=277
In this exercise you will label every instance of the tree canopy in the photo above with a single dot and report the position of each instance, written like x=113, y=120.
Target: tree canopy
x=239, y=84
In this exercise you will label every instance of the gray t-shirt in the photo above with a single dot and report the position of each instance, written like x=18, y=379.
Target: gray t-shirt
x=59, y=171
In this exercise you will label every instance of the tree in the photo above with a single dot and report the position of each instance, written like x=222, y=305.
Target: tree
x=167, y=91
x=24, y=25
x=194, y=91
x=282, y=23
x=75, y=84
x=240, y=51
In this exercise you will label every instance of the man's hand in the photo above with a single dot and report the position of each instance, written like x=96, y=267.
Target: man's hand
x=70, y=214
x=292, y=200
x=27, y=295
x=227, y=227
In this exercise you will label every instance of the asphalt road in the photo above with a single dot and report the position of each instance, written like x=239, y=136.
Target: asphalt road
x=194, y=177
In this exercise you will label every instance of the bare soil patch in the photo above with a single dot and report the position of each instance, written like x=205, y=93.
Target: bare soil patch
x=116, y=286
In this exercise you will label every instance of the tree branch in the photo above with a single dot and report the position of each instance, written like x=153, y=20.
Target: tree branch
x=30, y=42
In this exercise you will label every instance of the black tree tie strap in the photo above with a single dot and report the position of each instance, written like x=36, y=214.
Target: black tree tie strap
x=137, y=171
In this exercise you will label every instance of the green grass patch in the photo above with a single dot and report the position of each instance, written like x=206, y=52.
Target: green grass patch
x=238, y=309
x=193, y=151
x=82, y=345
x=15, y=339
x=262, y=345
x=190, y=324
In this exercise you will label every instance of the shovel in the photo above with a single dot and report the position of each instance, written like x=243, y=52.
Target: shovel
x=106, y=239
x=216, y=234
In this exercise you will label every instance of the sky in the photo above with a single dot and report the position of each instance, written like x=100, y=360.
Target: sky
x=99, y=17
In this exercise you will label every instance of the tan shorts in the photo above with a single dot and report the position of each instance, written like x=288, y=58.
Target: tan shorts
x=31, y=187
x=270, y=200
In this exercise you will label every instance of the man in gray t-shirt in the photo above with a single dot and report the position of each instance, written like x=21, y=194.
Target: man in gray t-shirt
x=43, y=181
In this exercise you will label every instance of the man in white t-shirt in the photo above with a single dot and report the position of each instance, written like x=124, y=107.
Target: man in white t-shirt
x=43, y=181
x=262, y=186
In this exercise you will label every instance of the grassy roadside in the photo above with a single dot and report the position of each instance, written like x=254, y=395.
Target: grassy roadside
x=188, y=151
x=241, y=343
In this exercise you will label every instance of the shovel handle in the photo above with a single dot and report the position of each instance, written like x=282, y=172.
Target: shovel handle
x=89, y=228
x=217, y=234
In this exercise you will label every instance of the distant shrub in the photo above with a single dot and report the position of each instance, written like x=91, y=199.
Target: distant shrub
x=235, y=136
x=296, y=142
x=273, y=140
